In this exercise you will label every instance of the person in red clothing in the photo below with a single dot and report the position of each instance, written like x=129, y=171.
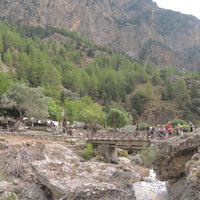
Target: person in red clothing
x=169, y=128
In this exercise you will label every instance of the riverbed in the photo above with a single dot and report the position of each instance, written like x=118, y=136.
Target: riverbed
x=151, y=189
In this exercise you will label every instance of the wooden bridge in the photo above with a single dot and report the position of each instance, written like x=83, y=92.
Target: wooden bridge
x=108, y=141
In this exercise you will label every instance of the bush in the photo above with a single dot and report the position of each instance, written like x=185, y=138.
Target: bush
x=89, y=152
x=116, y=118
x=186, y=128
x=125, y=154
x=142, y=126
x=3, y=175
x=175, y=122
x=148, y=156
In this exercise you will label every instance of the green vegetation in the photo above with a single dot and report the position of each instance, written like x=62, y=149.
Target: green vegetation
x=142, y=126
x=5, y=83
x=116, y=118
x=148, y=156
x=10, y=197
x=27, y=101
x=89, y=152
x=67, y=74
x=175, y=122
x=3, y=175
x=84, y=110
x=184, y=124
x=125, y=153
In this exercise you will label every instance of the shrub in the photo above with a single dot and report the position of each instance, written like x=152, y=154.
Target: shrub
x=125, y=154
x=3, y=175
x=148, y=156
x=186, y=128
x=116, y=118
x=175, y=122
x=89, y=152
x=142, y=125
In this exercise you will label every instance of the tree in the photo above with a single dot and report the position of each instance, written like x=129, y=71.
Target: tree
x=194, y=90
x=182, y=94
x=1, y=45
x=72, y=109
x=92, y=115
x=5, y=83
x=55, y=111
x=138, y=99
x=7, y=58
x=84, y=111
x=116, y=118
x=29, y=102
x=169, y=91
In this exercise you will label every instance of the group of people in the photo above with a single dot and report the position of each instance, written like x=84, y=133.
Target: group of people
x=166, y=131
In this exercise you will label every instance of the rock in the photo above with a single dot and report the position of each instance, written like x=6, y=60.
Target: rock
x=173, y=155
x=15, y=182
x=3, y=145
x=119, y=152
x=178, y=162
x=64, y=174
x=137, y=172
x=136, y=159
x=2, y=139
x=32, y=191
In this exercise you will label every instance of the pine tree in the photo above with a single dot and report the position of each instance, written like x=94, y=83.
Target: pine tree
x=7, y=58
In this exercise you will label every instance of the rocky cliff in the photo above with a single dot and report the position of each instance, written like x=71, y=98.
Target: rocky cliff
x=178, y=162
x=136, y=27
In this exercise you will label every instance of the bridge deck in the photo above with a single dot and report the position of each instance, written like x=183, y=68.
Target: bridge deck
x=122, y=140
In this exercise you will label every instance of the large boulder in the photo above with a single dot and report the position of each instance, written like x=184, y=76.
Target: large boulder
x=173, y=154
x=178, y=162
x=68, y=178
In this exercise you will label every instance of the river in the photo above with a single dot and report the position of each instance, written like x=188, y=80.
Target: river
x=151, y=189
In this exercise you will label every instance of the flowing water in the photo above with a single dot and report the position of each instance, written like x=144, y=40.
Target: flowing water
x=151, y=189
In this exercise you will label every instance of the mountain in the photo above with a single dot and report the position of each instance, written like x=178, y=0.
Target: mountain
x=138, y=28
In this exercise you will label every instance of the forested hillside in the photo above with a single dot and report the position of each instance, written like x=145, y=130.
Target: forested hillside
x=70, y=69
x=139, y=28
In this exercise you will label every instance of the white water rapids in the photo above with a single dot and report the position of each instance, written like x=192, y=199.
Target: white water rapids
x=150, y=189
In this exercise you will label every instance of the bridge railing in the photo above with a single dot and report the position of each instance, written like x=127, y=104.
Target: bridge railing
x=112, y=136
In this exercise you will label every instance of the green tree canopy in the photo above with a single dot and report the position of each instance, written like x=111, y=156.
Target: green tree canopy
x=5, y=83
x=29, y=102
x=85, y=111
x=116, y=118
x=7, y=58
x=55, y=110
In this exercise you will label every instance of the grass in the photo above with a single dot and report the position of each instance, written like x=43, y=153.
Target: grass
x=10, y=197
x=125, y=154
x=89, y=152
x=3, y=175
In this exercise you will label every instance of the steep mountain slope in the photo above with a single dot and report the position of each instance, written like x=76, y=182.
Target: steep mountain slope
x=137, y=27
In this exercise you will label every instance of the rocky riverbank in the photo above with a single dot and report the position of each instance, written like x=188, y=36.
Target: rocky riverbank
x=31, y=169
x=54, y=171
x=178, y=163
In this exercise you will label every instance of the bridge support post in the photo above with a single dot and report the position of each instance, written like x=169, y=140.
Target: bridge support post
x=108, y=153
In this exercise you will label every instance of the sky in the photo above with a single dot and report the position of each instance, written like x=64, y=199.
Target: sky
x=183, y=6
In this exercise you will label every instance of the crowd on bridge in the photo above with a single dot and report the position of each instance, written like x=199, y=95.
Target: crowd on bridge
x=165, y=131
